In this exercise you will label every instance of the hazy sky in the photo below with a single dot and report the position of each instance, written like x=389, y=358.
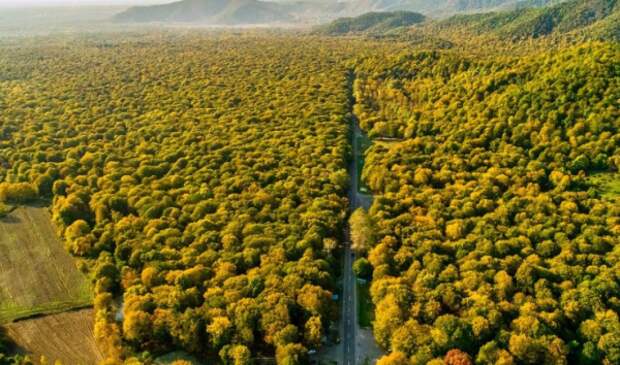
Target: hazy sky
x=21, y=3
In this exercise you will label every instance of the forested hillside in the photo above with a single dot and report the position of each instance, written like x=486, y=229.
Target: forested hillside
x=598, y=18
x=227, y=12
x=371, y=23
x=492, y=246
x=442, y=8
x=572, y=21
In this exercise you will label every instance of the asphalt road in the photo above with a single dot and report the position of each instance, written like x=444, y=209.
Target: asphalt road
x=349, y=310
x=349, y=292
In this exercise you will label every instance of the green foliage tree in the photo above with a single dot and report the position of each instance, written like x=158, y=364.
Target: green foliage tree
x=362, y=268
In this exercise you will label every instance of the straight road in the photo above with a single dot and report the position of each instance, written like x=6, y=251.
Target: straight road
x=352, y=333
x=349, y=309
x=349, y=302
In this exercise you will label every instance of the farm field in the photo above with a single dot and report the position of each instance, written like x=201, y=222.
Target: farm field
x=38, y=276
x=67, y=337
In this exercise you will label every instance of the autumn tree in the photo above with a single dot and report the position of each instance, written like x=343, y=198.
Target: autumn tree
x=362, y=234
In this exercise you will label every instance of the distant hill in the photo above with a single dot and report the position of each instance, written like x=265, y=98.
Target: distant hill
x=372, y=22
x=237, y=12
x=599, y=17
x=224, y=12
x=442, y=8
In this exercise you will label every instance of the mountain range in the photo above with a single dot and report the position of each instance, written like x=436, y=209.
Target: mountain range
x=233, y=12
x=240, y=12
x=592, y=19
x=597, y=18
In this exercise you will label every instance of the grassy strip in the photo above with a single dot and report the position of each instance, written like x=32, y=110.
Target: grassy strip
x=363, y=143
x=365, y=309
x=14, y=313
x=607, y=183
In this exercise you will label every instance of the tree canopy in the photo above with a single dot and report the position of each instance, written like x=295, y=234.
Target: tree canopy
x=199, y=177
x=490, y=239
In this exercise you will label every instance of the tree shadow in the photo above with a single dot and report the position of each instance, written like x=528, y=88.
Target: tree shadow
x=8, y=345
x=10, y=217
x=37, y=203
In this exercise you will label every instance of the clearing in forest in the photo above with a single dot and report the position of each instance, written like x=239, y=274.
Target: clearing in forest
x=67, y=337
x=38, y=276
x=607, y=183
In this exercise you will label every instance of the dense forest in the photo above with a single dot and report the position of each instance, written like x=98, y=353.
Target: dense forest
x=200, y=179
x=490, y=240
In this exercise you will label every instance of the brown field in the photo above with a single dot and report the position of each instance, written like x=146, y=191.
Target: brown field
x=37, y=275
x=67, y=337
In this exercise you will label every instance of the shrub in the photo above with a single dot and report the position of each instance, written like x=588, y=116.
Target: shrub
x=17, y=192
